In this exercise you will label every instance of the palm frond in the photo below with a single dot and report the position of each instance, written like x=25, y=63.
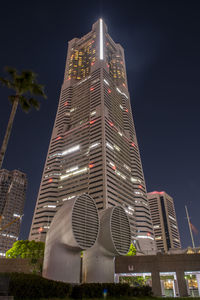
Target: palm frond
x=24, y=103
x=38, y=90
x=6, y=82
x=11, y=71
x=34, y=103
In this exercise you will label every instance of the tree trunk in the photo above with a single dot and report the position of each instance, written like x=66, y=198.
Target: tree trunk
x=8, y=131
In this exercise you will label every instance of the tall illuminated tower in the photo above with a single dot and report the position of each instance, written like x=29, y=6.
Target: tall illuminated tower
x=93, y=148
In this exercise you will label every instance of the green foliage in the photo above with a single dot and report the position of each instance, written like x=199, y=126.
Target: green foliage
x=132, y=251
x=25, y=86
x=26, y=249
x=29, y=286
x=133, y=281
x=32, y=250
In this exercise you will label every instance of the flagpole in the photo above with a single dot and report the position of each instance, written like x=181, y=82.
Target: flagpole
x=191, y=234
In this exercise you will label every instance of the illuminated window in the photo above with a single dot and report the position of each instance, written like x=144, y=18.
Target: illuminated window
x=116, y=147
x=106, y=82
x=109, y=146
x=71, y=150
x=75, y=173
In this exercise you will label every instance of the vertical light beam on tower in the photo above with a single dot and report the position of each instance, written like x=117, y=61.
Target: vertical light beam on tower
x=101, y=39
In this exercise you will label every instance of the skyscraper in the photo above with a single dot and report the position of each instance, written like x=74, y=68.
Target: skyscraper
x=93, y=148
x=164, y=221
x=12, y=197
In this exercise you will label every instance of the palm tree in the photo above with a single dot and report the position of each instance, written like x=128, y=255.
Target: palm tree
x=25, y=86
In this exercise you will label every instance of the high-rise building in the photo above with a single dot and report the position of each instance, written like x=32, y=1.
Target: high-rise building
x=93, y=148
x=12, y=197
x=164, y=221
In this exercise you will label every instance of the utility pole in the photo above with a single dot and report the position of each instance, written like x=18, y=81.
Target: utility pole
x=191, y=234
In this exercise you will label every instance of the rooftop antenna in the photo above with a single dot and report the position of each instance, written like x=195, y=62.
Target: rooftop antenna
x=189, y=224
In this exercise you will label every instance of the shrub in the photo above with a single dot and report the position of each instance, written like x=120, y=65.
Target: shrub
x=30, y=286
x=33, y=286
x=95, y=290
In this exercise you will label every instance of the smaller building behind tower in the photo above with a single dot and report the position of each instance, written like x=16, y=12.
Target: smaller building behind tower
x=164, y=220
x=13, y=186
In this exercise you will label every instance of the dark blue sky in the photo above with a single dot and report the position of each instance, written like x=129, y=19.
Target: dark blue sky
x=161, y=40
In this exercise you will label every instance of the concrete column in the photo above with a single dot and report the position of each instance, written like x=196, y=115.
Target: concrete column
x=198, y=282
x=174, y=290
x=156, y=285
x=162, y=288
x=181, y=283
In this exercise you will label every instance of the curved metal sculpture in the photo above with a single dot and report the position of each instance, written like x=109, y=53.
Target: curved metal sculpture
x=74, y=228
x=114, y=239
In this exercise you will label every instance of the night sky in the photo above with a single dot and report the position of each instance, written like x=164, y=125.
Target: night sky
x=161, y=40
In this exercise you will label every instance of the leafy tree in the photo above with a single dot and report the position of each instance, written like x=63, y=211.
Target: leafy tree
x=132, y=251
x=26, y=249
x=32, y=250
x=25, y=86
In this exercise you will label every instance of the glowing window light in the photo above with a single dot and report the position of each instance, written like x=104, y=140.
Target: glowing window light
x=106, y=82
x=91, y=89
x=46, y=227
x=40, y=229
x=92, y=122
x=109, y=91
x=49, y=206
x=68, y=198
x=109, y=146
x=111, y=124
x=101, y=39
x=83, y=170
x=127, y=110
x=156, y=226
x=145, y=237
x=131, y=208
x=93, y=113
x=158, y=238
x=91, y=166
x=120, y=133
x=137, y=193
x=71, y=150
x=172, y=218
x=94, y=145
x=16, y=215
x=133, y=144
x=121, y=93
x=72, y=109
x=127, y=167
x=72, y=169
x=50, y=180
x=66, y=103
x=112, y=165
x=135, y=179
x=58, y=138
x=116, y=147
x=128, y=212
x=121, y=106
x=120, y=174
x=140, y=186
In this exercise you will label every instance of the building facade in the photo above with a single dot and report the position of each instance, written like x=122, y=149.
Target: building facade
x=93, y=147
x=13, y=186
x=164, y=221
